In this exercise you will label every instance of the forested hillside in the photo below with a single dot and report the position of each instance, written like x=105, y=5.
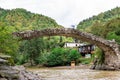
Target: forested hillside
x=22, y=19
x=106, y=25
x=102, y=18
x=19, y=20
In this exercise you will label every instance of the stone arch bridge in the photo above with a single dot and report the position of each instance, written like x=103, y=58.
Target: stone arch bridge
x=111, y=49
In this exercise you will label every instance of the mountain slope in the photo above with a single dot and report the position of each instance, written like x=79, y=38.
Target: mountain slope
x=102, y=18
x=20, y=18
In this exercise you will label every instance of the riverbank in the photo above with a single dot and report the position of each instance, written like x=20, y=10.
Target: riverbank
x=77, y=73
x=34, y=68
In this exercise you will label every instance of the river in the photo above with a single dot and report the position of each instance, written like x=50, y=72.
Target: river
x=77, y=73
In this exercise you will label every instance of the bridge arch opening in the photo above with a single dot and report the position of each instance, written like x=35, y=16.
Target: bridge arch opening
x=111, y=49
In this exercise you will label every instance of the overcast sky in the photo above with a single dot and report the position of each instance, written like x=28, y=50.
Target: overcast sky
x=65, y=12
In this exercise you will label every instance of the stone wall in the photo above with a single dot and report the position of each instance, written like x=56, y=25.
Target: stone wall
x=110, y=48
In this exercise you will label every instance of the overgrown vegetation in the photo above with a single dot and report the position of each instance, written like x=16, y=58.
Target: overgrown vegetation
x=105, y=25
x=103, y=17
x=61, y=56
x=19, y=20
x=48, y=51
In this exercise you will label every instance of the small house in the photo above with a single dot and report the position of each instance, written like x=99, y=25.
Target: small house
x=86, y=49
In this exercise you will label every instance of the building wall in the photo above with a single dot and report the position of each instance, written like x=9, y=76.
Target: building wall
x=73, y=44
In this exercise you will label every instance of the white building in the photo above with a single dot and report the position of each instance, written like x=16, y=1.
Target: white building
x=71, y=45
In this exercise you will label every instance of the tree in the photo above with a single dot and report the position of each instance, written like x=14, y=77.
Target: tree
x=32, y=49
x=8, y=44
x=96, y=28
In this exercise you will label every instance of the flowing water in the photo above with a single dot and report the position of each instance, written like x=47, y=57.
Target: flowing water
x=68, y=73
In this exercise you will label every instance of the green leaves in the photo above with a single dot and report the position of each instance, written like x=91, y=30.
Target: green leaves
x=20, y=20
x=61, y=56
x=8, y=45
x=102, y=18
x=112, y=35
x=25, y=20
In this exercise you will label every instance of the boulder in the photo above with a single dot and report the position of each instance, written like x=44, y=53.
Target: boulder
x=16, y=73
x=8, y=72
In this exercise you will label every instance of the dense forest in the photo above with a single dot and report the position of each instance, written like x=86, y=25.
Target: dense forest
x=35, y=51
x=19, y=20
x=49, y=51
x=105, y=24
x=102, y=17
x=23, y=20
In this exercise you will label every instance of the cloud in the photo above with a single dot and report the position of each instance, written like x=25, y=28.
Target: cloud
x=65, y=12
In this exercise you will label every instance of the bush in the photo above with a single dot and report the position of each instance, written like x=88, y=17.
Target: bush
x=113, y=35
x=61, y=56
x=74, y=55
x=42, y=60
x=100, y=56
x=55, y=57
x=85, y=60
x=21, y=59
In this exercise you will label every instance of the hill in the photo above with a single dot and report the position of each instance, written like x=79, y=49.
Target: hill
x=102, y=18
x=19, y=20
x=23, y=19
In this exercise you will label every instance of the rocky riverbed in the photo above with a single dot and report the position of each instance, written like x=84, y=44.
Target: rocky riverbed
x=77, y=73
x=82, y=72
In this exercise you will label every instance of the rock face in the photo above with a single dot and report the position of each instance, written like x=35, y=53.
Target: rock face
x=16, y=73
x=8, y=72
x=110, y=48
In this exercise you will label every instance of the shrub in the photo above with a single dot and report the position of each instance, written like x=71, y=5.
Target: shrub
x=55, y=57
x=61, y=56
x=85, y=60
x=42, y=58
x=99, y=55
x=73, y=56
x=21, y=59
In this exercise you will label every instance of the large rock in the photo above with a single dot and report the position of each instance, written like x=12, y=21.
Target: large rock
x=8, y=72
x=4, y=59
x=16, y=73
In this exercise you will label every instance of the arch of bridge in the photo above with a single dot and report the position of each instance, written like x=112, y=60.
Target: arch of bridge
x=110, y=48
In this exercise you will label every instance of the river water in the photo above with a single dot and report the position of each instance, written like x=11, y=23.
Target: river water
x=67, y=73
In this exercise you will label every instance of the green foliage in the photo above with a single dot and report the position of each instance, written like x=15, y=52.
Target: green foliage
x=61, y=56
x=19, y=20
x=111, y=26
x=99, y=55
x=42, y=60
x=33, y=48
x=8, y=44
x=73, y=56
x=117, y=32
x=85, y=60
x=106, y=25
x=21, y=59
x=55, y=57
x=96, y=28
x=112, y=35
x=25, y=20
x=102, y=18
x=110, y=30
